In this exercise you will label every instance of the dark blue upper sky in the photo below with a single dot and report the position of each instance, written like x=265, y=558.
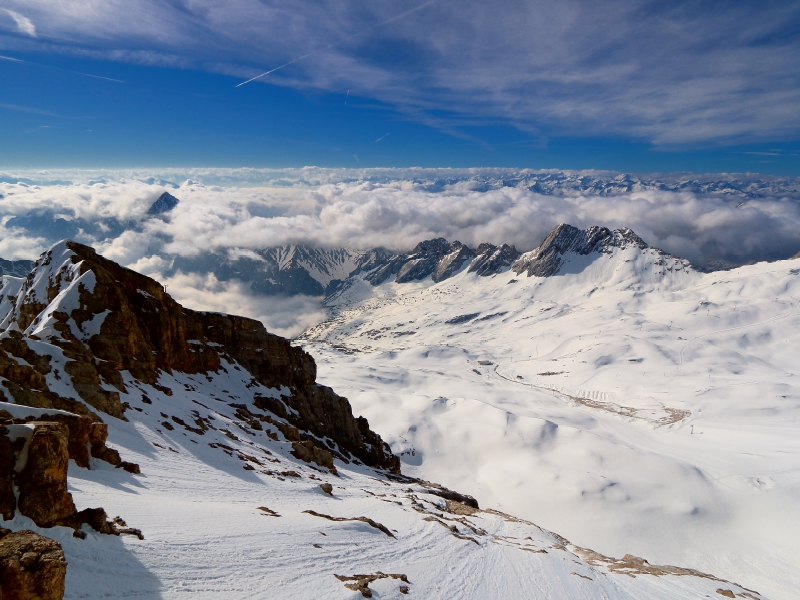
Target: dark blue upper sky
x=629, y=86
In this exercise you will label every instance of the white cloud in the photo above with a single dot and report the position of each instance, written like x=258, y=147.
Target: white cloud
x=282, y=316
x=394, y=213
x=24, y=24
x=398, y=213
x=643, y=69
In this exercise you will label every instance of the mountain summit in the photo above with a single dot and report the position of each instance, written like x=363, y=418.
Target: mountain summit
x=293, y=269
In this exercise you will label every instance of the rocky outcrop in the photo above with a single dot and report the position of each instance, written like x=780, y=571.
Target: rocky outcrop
x=42, y=483
x=547, y=259
x=34, y=459
x=32, y=567
x=493, y=259
x=437, y=258
x=86, y=436
x=8, y=499
x=108, y=320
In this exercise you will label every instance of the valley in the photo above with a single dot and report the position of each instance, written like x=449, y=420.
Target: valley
x=627, y=401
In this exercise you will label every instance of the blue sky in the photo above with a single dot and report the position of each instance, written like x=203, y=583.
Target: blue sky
x=628, y=86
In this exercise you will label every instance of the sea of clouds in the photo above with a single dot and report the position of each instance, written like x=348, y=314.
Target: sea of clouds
x=392, y=209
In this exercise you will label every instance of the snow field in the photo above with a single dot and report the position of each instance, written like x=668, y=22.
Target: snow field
x=628, y=403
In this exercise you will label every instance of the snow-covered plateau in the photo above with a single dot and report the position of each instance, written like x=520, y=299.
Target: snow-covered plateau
x=594, y=423
x=627, y=401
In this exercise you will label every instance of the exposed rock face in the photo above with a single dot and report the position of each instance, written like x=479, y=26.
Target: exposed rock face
x=32, y=567
x=437, y=258
x=42, y=484
x=34, y=459
x=307, y=451
x=165, y=203
x=547, y=259
x=108, y=320
x=493, y=259
x=8, y=500
x=86, y=436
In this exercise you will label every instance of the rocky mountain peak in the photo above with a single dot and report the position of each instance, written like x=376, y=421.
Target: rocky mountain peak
x=546, y=260
x=87, y=326
x=492, y=259
x=437, y=258
x=163, y=204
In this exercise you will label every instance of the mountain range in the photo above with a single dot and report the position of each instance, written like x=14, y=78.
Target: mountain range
x=233, y=471
x=291, y=270
x=596, y=385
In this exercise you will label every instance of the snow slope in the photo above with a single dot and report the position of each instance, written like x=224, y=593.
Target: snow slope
x=628, y=402
x=228, y=510
x=206, y=534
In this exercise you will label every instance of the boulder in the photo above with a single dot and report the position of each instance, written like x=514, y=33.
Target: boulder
x=42, y=483
x=32, y=567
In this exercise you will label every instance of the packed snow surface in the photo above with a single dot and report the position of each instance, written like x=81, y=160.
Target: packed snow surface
x=629, y=403
x=227, y=512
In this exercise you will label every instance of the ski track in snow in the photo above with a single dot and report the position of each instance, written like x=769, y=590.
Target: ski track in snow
x=631, y=407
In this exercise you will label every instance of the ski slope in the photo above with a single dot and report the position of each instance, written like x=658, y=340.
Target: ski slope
x=629, y=402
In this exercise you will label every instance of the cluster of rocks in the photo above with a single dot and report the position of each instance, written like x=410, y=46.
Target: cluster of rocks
x=34, y=458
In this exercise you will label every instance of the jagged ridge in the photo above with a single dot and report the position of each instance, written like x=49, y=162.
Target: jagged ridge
x=98, y=320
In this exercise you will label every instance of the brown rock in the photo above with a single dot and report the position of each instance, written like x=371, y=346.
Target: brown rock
x=32, y=567
x=97, y=519
x=327, y=488
x=308, y=452
x=145, y=332
x=80, y=433
x=42, y=484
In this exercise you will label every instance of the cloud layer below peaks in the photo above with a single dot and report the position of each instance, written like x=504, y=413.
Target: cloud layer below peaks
x=394, y=214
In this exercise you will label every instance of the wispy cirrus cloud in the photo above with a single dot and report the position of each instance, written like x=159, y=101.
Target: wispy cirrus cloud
x=29, y=109
x=24, y=24
x=673, y=73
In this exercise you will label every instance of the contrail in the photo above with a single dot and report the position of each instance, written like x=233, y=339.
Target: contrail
x=27, y=62
x=318, y=50
x=380, y=138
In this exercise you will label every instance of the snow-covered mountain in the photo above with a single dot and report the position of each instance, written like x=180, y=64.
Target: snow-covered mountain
x=232, y=471
x=597, y=386
x=17, y=268
x=284, y=270
x=291, y=270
